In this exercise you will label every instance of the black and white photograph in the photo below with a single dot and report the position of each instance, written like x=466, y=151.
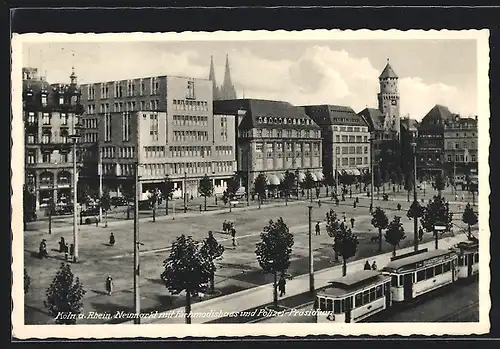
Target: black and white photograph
x=329, y=182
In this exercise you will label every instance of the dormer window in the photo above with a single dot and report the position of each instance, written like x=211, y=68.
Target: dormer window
x=61, y=99
x=265, y=120
x=260, y=120
x=44, y=99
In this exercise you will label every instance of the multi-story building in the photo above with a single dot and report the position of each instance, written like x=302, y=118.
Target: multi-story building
x=384, y=124
x=52, y=113
x=164, y=123
x=346, y=144
x=430, y=142
x=460, y=147
x=273, y=137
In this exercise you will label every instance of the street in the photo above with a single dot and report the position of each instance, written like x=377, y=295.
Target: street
x=237, y=271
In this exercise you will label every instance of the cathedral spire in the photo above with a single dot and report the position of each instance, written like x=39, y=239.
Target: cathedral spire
x=211, y=77
x=228, y=91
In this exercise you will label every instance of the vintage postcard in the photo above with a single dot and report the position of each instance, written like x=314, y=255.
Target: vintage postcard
x=250, y=183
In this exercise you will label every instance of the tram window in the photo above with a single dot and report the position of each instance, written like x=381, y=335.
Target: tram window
x=429, y=273
x=446, y=267
x=476, y=258
x=336, y=306
x=359, y=299
x=394, y=281
x=460, y=260
x=438, y=269
x=366, y=297
x=329, y=304
x=372, y=294
x=420, y=275
x=378, y=291
x=322, y=304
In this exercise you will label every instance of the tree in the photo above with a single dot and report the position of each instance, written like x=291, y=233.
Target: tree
x=395, y=233
x=230, y=192
x=214, y=250
x=188, y=268
x=27, y=281
x=469, y=217
x=381, y=222
x=65, y=295
x=346, y=245
x=439, y=183
x=309, y=183
x=167, y=191
x=437, y=211
x=329, y=181
x=287, y=185
x=274, y=250
x=332, y=227
x=260, y=185
x=206, y=188
x=105, y=202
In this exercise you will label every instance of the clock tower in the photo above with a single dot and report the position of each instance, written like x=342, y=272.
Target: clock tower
x=388, y=100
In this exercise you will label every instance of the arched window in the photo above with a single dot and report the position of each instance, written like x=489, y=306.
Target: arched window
x=260, y=119
x=64, y=178
x=46, y=178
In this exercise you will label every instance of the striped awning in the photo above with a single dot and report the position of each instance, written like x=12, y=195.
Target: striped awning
x=301, y=177
x=314, y=177
x=273, y=179
x=319, y=176
x=356, y=172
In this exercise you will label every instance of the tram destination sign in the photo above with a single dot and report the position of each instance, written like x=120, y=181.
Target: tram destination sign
x=432, y=261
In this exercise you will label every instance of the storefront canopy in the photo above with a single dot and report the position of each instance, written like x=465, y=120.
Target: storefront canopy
x=314, y=177
x=301, y=177
x=319, y=176
x=273, y=179
x=356, y=172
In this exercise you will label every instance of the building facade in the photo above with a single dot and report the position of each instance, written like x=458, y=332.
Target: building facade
x=164, y=123
x=409, y=134
x=461, y=147
x=430, y=142
x=271, y=138
x=345, y=135
x=52, y=115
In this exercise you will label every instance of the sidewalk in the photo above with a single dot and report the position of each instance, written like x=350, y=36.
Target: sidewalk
x=258, y=296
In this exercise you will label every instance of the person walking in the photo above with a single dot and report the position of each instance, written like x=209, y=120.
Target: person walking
x=62, y=245
x=66, y=251
x=399, y=207
x=367, y=266
x=352, y=223
x=233, y=235
x=112, y=239
x=42, y=250
x=344, y=216
x=282, y=286
x=109, y=285
x=420, y=234
x=318, y=232
x=319, y=203
x=371, y=208
x=374, y=265
x=354, y=204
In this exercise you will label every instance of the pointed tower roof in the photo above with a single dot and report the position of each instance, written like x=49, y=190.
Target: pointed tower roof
x=388, y=72
x=228, y=91
x=211, y=77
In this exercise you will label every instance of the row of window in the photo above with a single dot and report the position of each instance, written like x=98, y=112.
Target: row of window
x=119, y=107
x=462, y=158
x=190, y=151
x=47, y=118
x=458, y=158
x=284, y=121
x=344, y=161
x=350, y=128
x=190, y=136
x=62, y=100
x=90, y=123
x=339, y=306
x=90, y=137
x=224, y=150
x=279, y=133
x=48, y=157
x=456, y=145
x=118, y=89
x=353, y=150
x=190, y=120
x=180, y=104
x=47, y=137
x=462, y=260
x=350, y=139
x=200, y=168
x=278, y=147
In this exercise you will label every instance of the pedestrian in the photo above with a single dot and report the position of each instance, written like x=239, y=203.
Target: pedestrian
x=319, y=203
x=66, y=251
x=420, y=234
x=215, y=200
x=42, y=250
x=352, y=222
x=224, y=226
x=399, y=207
x=336, y=201
x=350, y=193
x=354, y=204
x=318, y=232
x=71, y=249
x=112, y=239
x=357, y=200
x=394, y=189
x=62, y=244
x=374, y=265
x=371, y=208
x=344, y=216
x=282, y=285
x=233, y=234
x=343, y=196
x=367, y=266
x=109, y=285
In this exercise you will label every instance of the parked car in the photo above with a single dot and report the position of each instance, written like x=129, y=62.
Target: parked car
x=118, y=201
x=60, y=210
x=90, y=211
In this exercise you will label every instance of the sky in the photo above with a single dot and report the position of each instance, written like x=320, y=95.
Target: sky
x=340, y=72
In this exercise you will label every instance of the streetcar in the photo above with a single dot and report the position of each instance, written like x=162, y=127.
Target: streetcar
x=353, y=297
x=468, y=259
x=416, y=273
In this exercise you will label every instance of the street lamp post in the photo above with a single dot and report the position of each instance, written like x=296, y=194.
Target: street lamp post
x=74, y=138
x=438, y=227
x=184, y=191
x=311, y=260
x=137, y=298
x=372, y=172
x=415, y=202
x=99, y=168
